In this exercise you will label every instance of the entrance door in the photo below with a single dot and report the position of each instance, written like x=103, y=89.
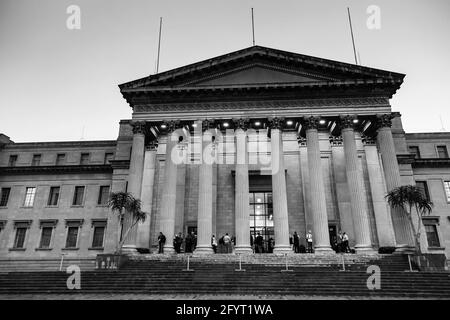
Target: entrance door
x=332, y=231
x=261, y=217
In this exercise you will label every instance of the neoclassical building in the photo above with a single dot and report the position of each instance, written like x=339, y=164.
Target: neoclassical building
x=257, y=140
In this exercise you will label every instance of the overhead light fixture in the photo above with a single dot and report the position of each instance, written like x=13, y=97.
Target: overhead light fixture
x=322, y=121
x=355, y=120
x=257, y=123
x=289, y=122
x=225, y=124
x=163, y=126
x=194, y=125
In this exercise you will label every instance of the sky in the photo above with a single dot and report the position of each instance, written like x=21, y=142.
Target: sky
x=61, y=84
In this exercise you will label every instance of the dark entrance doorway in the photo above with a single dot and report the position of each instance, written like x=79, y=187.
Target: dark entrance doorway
x=261, y=218
x=332, y=231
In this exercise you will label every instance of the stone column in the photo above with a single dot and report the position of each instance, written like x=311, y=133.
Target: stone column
x=205, y=200
x=358, y=201
x=169, y=196
x=280, y=211
x=134, y=182
x=383, y=222
x=403, y=233
x=321, y=238
x=242, y=216
x=148, y=179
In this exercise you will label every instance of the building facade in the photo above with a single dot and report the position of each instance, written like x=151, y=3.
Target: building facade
x=257, y=140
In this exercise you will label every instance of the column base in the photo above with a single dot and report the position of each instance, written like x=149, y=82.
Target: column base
x=364, y=249
x=323, y=250
x=203, y=250
x=282, y=249
x=243, y=250
x=168, y=249
x=129, y=249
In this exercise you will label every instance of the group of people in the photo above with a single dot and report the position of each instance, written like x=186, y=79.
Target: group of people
x=295, y=243
x=226, y=243
x=339, y=243
x=190, y=242
x=257, y=244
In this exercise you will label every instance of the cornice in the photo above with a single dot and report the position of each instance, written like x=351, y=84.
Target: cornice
x=431, y=163
x=27, y=170
x=270, y=104
x=62, y=144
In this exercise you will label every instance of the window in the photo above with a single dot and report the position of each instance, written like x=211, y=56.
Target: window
x=108, y=157
x=103, y=195
x=29, y=196
x=2, y=225
x=12, y=160
x=21, y=227
x=53, y=196
x=60, y=159
x=97, y=240
x=4, y=197
x=47, y=227
x=447, y=189
x=423, y=186
x=442, y=152
x=19, y=239
x=46, y=237
x=261, y=216
x=78, y=196
x=415, y=151
x=72, y=237
x=84, y=159
x=36, y=160
x=432, y=235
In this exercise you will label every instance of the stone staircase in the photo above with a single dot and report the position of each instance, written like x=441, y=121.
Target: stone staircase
x=33, y=265
x=263, y=275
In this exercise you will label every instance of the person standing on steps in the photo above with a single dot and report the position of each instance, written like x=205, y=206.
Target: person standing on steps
x=227, y=243
x=161, y=242
x=339, y=242
x=214, y=243
x=345, y=246
x=296, y=242
x=259, y=243
x=309, y=241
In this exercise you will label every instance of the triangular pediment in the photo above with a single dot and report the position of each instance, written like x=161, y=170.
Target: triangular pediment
x=261, y=67
x=256, y=74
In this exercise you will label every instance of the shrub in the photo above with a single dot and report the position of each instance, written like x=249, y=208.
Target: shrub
x=386, y=250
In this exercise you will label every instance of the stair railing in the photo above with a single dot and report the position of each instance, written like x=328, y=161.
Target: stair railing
x=343, y=262
x=187, y=267
x=240, y=263
x=287, y=267
x=62, y=260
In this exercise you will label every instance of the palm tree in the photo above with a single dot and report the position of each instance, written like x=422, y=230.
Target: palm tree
x=406, y=198
x=121, y=203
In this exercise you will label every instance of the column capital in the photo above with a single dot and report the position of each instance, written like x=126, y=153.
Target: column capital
x=347, y=122
x=172, y=125
x=384, y=120
x=276, y=123
x=311, y=123
x=208, y=124
x=241, y=124
x=138, y=127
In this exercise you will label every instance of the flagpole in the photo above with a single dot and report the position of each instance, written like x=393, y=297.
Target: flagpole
x=351, y=31
x=159, y=44
x=253, y=28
